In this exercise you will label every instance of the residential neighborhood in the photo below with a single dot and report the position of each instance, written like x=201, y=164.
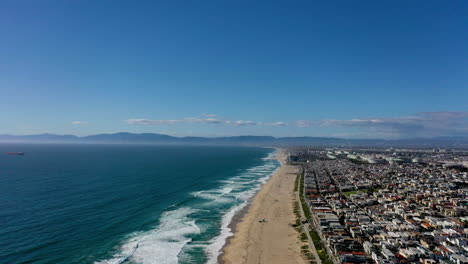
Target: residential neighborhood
x=388, y=206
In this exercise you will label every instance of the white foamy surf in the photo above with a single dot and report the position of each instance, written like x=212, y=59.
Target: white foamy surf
x=215, y=248
x=161, y=245
x=200, y=226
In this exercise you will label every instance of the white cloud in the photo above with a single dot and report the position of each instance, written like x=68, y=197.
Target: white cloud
x=196, y=120
x=243, y=123
x=277, y=124
x=427, y=124
x=79, y=122
x=142, y=121
x=203, y=120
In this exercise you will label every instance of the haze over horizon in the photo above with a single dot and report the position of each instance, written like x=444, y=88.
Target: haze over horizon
x=367, y=69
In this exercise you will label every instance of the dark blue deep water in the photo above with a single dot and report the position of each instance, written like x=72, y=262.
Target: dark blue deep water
x=123, y=203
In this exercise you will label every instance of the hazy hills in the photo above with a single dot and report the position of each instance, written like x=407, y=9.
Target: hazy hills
x=152, y=138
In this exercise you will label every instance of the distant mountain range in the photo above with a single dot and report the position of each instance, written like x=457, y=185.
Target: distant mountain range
x=152, y=138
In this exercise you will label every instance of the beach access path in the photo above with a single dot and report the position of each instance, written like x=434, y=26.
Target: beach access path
x=265, y=234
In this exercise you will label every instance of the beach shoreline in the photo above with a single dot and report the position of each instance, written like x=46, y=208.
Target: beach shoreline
x=233, y=227
x=262, y=231
x=237, y=218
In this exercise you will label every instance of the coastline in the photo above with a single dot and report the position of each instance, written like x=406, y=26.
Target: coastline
x=262, y=231
x=226, y=200
x=233, y=226
x=239, y=215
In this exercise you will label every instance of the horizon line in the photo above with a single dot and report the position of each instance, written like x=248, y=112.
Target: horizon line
x=230, y=136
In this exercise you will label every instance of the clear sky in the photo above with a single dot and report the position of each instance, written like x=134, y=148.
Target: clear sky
x=215, y=68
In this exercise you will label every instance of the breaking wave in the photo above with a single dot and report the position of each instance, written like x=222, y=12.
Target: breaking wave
x=196, y=230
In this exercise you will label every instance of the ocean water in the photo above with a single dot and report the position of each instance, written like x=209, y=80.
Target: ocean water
x=109, y=204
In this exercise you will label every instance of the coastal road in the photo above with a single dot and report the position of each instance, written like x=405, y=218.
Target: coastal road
x=306, y=227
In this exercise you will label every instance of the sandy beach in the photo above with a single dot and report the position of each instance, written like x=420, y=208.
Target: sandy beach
x=274, y=240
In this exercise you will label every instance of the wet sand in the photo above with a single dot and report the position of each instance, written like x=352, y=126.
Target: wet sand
x=273, y=241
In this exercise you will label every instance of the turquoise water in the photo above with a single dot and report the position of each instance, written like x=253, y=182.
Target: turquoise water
x=122, y=203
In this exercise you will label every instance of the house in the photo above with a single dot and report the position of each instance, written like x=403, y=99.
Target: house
x=459, y=259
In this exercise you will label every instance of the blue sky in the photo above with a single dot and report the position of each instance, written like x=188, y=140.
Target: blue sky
x=292, y=68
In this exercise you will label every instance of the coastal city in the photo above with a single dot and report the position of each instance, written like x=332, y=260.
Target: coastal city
x=385, y=205
x=233, y=132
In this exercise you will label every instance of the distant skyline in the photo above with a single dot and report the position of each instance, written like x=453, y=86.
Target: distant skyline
x=349, y=69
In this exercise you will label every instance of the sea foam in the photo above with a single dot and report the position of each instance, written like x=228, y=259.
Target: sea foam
x=171, y=241
x=161, y=245
x=215, y=248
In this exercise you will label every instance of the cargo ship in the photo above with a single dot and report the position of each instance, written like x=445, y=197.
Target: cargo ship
x=15, y=153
